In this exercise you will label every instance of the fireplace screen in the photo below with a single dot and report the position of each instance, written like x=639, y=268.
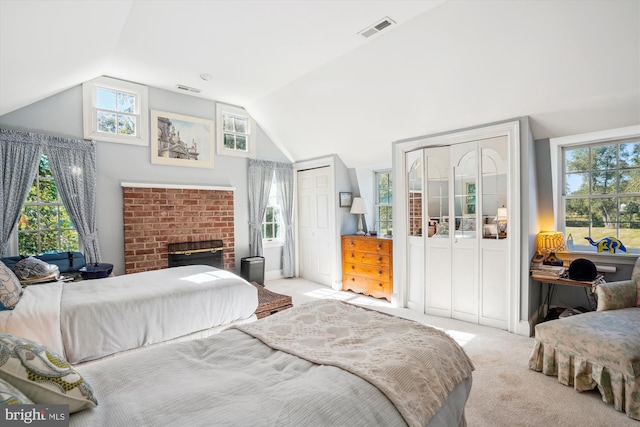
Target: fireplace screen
x=206, y=252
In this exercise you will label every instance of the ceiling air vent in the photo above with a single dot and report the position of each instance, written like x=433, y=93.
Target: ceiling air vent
x=188, y=89
x=377, y=27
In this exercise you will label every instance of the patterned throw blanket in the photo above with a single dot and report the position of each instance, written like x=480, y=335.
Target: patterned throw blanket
x=414, y=365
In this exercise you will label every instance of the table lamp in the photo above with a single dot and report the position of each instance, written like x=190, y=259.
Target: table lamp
x=501, y=220
x=359, y=207
x=550, y=242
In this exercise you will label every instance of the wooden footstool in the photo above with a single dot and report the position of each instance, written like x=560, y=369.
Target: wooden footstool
x=270, y=302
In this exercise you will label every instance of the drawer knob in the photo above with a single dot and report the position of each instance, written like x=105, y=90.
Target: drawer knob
x=379, y=285
x=353, y=267
x=380, y=259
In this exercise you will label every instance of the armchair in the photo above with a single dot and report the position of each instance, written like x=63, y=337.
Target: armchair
x=599, y=348
x=622, y=294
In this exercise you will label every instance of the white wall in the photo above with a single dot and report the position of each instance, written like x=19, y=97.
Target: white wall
x=61, y=115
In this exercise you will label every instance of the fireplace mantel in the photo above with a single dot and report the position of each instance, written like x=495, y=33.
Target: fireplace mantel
x=175, y=186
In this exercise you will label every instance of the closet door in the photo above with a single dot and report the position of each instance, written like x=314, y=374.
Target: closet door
x=494, y=245
x=415, y=237
x=314, y=225
x=438, y=261
x=464, y=252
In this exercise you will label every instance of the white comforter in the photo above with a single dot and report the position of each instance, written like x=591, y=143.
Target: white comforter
x=91, y=319
x=234, y=379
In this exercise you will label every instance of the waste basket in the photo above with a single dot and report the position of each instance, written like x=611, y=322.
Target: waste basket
x=252, y=269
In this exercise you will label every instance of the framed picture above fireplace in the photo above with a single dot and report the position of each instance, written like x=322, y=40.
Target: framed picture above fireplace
x=180, y=140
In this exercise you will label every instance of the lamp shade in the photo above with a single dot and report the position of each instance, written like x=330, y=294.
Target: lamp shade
x=359, y=206
x=550, y=241
x=502, y=212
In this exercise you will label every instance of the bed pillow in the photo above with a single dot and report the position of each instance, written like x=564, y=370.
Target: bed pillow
x=10, y=288
x=42, y=375
x=9, y=395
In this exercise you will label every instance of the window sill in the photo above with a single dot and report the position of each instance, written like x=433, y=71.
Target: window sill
x=275, y=243
x=618, y=258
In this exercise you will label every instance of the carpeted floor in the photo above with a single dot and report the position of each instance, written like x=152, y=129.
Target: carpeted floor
x=505, y=392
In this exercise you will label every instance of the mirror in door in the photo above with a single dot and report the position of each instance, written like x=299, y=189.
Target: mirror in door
x=494, y=188
x=414, y=161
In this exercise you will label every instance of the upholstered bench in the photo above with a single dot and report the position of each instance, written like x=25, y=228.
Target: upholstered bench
x=270, y=302
x=599, y=348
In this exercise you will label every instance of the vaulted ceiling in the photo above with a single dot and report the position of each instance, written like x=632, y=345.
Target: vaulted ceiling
x=317, y=87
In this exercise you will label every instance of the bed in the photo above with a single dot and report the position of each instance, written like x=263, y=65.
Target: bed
x=92, y=319
x=324, y=363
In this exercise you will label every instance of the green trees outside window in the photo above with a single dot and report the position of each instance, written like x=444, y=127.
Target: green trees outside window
x=384, y=202
x=44, y=224
x=602, y=192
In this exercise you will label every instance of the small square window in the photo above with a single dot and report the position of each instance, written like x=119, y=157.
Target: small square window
x=236, y=132
x=115, y=111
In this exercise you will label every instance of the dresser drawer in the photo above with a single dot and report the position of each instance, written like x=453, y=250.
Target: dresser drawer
x=366, y=258
x=376, y=246
x=375, y=288
x=368, y=271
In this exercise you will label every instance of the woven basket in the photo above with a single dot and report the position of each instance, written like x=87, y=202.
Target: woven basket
x=270, y=302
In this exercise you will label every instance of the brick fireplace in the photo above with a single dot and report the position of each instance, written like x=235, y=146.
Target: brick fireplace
x=156, y=215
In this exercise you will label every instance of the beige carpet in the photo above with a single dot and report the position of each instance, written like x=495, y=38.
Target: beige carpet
x=505, y=392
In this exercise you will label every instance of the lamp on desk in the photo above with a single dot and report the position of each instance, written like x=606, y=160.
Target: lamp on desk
x=548, y=243
x=359, y=207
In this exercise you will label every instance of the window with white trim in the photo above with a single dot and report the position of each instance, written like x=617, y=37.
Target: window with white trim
x=236, y=131
x=272, y=223
x=115, y=111
x=384, y=203
x=44, y=224
x=600, y=195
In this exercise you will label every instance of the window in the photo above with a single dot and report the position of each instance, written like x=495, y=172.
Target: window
x=44, y=224
x=272, y=224
x=384, y=202
x=115, y=111
x=236, y=131
x=601, y=192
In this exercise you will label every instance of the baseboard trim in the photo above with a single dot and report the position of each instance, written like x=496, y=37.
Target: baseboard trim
x=273, y=275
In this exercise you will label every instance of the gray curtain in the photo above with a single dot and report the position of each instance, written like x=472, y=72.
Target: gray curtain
x=284, y=180
x=73, y=165
x=19, y=154
x=260, y=177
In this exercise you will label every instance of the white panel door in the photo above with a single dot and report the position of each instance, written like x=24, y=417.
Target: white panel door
x=438, y=263
x=494, y=245
x=313, y=225
x=416, y=227
x=465, y=238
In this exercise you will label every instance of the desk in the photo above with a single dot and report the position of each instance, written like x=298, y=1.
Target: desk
x=564, y=281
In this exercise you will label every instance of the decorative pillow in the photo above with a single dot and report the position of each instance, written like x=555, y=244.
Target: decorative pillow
x=42, y=375
x=9, y=395
x=10, y=288
x=615, y=295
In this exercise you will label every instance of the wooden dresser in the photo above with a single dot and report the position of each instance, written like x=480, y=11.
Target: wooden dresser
x=367, y=265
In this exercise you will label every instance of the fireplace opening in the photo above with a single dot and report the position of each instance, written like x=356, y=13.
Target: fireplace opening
x=206, y=252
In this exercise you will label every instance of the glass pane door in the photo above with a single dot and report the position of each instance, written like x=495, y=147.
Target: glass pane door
x=414, y=163
x=437, y=187
x=466, y=194
x=494, y=188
